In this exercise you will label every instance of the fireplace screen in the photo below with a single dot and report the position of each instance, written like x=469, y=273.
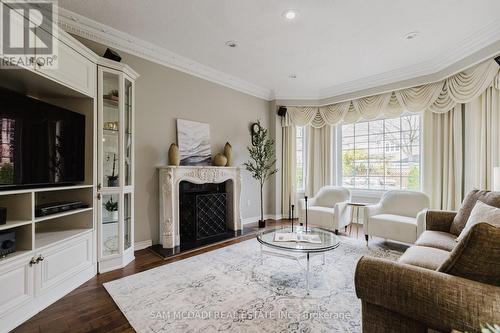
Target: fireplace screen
x=203, y=211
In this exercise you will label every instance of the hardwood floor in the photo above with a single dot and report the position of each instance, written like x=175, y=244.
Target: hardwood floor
x=89, y=308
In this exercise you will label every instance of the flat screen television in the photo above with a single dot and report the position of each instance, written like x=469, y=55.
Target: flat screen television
x=40, y=144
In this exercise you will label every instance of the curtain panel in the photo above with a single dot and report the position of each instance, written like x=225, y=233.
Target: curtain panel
x=443, y=159
x=288, y=173
x=319, y=159
x=437, y=97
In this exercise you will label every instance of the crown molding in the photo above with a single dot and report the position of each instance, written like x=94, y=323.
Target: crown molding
x=471, y=44
x=84, y=27
x=429, y=71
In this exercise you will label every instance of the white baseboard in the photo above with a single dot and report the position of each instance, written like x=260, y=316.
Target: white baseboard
x=255, y=219
x=142, y=245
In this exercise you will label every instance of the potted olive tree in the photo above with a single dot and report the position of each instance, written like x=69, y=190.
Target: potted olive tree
x=262, y=161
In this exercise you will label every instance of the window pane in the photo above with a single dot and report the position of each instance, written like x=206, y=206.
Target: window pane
x=299, y=159
x=382, y=154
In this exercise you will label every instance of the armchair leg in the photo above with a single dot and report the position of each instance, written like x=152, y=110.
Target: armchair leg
x=366, y=237
x=336, y=231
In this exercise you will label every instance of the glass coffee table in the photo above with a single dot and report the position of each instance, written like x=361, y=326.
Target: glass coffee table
x=327, y=242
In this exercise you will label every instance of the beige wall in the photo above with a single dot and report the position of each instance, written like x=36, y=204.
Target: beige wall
x=162, y=96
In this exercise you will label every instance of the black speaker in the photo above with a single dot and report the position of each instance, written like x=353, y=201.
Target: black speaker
x=3, y=215
x=497, y=59
x=112, y=55
x=282, y=111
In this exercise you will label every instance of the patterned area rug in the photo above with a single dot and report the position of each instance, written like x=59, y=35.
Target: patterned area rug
x=231, y=290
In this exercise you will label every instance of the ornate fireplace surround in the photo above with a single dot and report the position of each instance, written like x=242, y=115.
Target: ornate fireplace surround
x=169, y=179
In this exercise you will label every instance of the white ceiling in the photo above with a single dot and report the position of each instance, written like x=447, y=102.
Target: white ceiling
x=332, y=44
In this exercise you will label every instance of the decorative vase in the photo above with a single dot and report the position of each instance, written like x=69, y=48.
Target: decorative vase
x=228, y=152
x=110, y=216
x=220, y=160
x=112, y=181
x=173, y=154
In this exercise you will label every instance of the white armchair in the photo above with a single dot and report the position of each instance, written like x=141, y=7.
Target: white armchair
x=328, y=209
x=400, y=216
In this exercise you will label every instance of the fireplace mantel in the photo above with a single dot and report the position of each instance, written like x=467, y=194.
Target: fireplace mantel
x=169, y=179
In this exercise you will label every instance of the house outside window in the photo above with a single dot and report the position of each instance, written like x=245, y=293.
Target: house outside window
x=381, y=154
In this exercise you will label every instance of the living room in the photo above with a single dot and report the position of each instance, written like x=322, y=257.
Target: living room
x=250, y=166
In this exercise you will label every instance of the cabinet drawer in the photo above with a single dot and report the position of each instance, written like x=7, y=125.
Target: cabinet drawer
x=74, y=70
x=63, y=261
x=16, y=285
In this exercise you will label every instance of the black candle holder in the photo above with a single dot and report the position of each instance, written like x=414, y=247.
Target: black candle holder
x=293, y=206
x=305, y=198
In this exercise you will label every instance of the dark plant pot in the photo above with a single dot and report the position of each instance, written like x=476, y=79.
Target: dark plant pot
x=262, y=223
x=112, y=181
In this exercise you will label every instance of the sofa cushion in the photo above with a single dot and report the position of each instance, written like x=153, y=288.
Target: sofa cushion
x=476, y=256
x=489, y=198
x=425, y=257
x=321, y=216
x=437, y=239
x=396, y=227
x=481, y=213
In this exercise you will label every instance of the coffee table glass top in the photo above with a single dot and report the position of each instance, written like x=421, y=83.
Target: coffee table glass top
x=329, y=240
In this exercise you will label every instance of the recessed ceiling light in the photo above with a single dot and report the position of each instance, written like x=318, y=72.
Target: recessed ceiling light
x=231, y=43
x=292, y=76
x=290, y=14
x=411, y=35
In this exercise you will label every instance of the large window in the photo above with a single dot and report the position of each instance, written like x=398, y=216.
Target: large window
x=300, y=167
x=382, y=154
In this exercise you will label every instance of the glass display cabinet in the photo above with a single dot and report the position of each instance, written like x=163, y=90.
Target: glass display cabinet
x=115, y=164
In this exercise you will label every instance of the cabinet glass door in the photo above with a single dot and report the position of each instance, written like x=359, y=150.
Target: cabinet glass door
x=127, y=220
x=128, y=132
x=111, y=130
x=110, y=224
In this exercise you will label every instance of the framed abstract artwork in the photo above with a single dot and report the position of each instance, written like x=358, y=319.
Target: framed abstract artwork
x=193, y=139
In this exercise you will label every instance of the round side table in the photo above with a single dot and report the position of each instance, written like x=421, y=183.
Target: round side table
x=356, y=207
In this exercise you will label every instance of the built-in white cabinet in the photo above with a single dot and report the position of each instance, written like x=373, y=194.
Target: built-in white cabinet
x=56, y=253
x=73, y=69
x=16, y=284
x=115, y=164
x=57, y=263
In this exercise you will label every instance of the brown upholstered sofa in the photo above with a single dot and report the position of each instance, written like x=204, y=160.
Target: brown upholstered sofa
x=438, y=283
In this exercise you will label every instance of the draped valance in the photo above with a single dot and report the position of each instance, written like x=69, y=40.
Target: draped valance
x=438, y=97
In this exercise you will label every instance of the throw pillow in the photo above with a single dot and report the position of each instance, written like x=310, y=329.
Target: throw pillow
x=481, y=213
x=489, y=198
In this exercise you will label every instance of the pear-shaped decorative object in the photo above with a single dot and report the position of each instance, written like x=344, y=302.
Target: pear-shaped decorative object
x=228, y=152
x=173, y=154
x=220, y=160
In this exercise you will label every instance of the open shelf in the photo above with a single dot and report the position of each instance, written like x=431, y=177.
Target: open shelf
x=44, y=189
x=57, y=215
x=16, y=254
x=61, y=188
x=46, y=238
x=13, y=224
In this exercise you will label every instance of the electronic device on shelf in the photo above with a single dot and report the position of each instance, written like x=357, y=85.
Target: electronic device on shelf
x=43, y=144
x=58, y=207
x=7, y=243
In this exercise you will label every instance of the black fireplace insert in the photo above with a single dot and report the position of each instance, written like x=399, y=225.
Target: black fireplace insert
x=203, y=211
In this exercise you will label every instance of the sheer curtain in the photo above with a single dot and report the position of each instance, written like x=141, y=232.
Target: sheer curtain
x=442, y=164
x=319, y=158
x=288, y=187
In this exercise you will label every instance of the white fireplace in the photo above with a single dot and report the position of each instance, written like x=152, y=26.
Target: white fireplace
x=169, y=180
